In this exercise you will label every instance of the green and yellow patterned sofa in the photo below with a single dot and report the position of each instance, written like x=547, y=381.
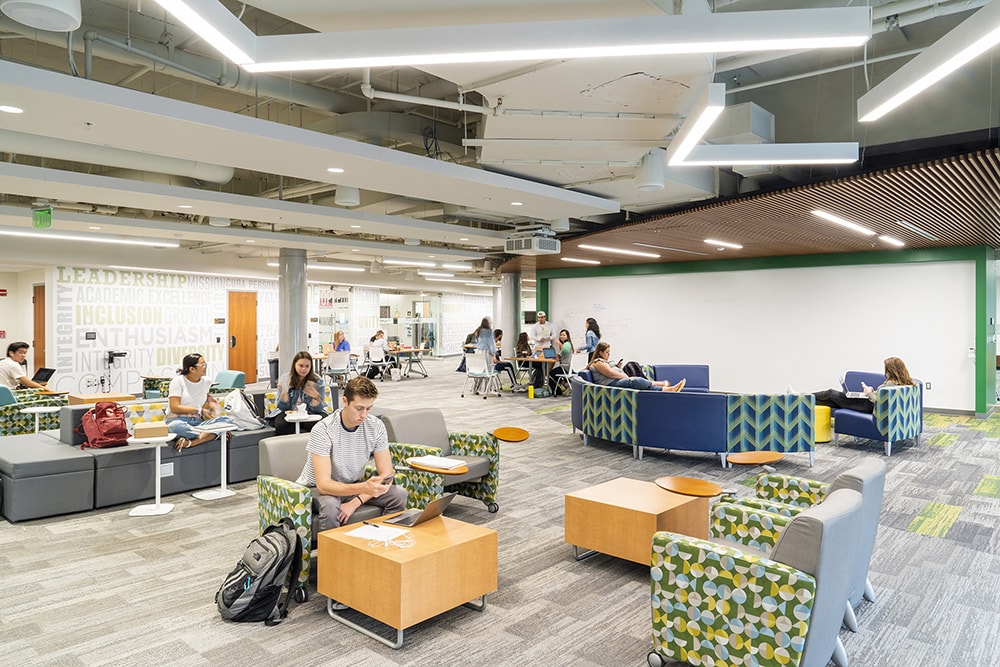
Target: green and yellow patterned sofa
x=14, y=422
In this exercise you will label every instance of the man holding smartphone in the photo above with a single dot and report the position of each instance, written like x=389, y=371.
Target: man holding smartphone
x=338, y=450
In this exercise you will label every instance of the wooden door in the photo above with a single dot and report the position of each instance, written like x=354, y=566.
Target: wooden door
x=38, y=318
x=243, y=333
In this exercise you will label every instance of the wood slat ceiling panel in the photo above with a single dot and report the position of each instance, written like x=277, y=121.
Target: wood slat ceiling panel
x=956, y=199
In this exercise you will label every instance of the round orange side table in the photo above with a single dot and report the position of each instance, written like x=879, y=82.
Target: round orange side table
x=688, y=486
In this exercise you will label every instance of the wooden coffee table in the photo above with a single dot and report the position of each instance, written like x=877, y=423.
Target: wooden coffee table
x=619, y=518
x=452, y=563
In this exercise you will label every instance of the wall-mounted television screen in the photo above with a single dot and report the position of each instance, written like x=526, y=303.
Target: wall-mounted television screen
x=530, y=317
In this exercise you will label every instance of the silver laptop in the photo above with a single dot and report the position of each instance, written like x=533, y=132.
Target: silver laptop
x=415, y=517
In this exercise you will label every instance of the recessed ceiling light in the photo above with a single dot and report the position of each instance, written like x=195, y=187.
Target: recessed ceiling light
x=601, y=248
x=724, y=244
x=407, y=262
x=94, y=227
x=430, y=256
x=435, y=274
x=580, y=261
x=916, y=230
x=463, y=239
x=335, y=170
x=96, y=238
x=355, y=250
x=9, y=109
x=185, y=206
x=663, y=247
x=355, y=226
x=251, y=240
x=517, y=203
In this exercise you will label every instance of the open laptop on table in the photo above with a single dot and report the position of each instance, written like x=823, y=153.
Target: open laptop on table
x=415, y=517
x=548, y=353
x=43, y=374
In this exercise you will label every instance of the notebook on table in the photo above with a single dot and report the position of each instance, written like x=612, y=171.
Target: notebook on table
x=416, y=517
x=43, y=374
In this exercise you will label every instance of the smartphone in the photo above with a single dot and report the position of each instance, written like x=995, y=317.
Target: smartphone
x=389, y=480
x=620, y=361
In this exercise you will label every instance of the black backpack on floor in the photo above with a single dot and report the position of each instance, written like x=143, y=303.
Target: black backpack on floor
x=252, y=591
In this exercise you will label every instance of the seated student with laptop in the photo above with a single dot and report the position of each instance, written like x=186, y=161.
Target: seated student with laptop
x=12, y=369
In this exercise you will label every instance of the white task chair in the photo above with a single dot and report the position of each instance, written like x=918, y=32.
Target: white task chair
x=377, y=359
x=479, y=370
x=338, y=367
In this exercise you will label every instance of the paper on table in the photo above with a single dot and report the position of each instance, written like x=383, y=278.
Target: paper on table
x=379, y=532
x=432, y=461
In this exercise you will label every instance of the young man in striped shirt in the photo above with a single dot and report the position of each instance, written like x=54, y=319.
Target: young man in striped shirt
x=338, y=450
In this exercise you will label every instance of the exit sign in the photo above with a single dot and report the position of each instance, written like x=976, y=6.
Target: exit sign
x=41, y=218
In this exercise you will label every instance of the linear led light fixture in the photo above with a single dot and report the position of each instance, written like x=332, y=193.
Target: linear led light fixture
x=95, y=238
x=579, y=261
x=975, y=35
x=457, y=267
x=435, y=274
x=464, y=281
x=329, y=267
x=215, y=24
x=663, y=247
x=185, y=271
x=844, y=223
x=723, y=244
x=772, y=154
x=916, y=230
x=407, y=262
x=580, y=38
x=891, y=240
x=706, y=110
x=619, y=251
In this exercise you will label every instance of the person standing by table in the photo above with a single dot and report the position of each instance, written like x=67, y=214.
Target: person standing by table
x=541, y=333
x=300, y=386
x=189, y=403
x=593, y=337
x=12, y=369
x=338, y=450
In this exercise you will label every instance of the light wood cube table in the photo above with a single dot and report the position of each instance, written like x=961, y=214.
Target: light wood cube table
x=619, y=518
x=451, y=563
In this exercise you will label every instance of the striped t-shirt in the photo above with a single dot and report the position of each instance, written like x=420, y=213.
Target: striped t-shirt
x=349, y=451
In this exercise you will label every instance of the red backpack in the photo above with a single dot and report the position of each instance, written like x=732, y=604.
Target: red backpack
x=105, y=426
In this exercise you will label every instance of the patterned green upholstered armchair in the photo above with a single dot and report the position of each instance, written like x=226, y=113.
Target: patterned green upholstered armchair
x=480, y=451
x=715, y=604
x=759, y=522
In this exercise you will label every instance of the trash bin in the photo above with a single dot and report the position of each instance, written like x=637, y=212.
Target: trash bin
x=272, y=365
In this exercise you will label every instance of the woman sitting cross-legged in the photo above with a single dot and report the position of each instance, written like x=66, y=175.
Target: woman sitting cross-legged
x=189, y=403
x=604, y=373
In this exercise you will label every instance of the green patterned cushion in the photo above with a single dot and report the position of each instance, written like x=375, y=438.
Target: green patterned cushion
x=897, y=412
x=278, y=498
x=740, y=523
x=714, y=605
x=791, y=490
x=770, y=422
x=14, y=422
x=610, y=413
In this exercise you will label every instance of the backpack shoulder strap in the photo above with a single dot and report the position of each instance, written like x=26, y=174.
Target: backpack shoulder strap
x=281, y=611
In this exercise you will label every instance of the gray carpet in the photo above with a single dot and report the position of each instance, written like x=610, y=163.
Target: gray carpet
x=103, y=588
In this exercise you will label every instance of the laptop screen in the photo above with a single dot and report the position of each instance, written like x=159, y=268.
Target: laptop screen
x=549, y=353
x=43, y=374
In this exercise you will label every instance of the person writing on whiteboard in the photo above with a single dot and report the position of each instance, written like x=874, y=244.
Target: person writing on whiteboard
x=12, y=369
x=189, y=403
x=604, y=373
x=896, y=374
x=338, y=450
x=300, y=387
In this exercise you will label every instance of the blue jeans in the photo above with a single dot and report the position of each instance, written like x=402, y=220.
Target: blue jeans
x=184, y=426
x=632, y=383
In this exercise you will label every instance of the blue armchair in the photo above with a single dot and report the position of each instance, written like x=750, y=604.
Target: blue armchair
x=897, y=415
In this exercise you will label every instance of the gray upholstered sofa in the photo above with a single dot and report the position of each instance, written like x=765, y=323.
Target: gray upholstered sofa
x=46, y=474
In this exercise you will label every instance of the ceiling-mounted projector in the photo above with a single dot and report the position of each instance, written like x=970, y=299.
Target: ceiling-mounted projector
x=53, y=15
x=534, y=242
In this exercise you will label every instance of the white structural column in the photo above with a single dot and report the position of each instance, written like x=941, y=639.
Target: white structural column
x=292, y=310
x=507, y=310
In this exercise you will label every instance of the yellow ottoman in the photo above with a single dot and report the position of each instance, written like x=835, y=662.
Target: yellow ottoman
x=821, y=423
